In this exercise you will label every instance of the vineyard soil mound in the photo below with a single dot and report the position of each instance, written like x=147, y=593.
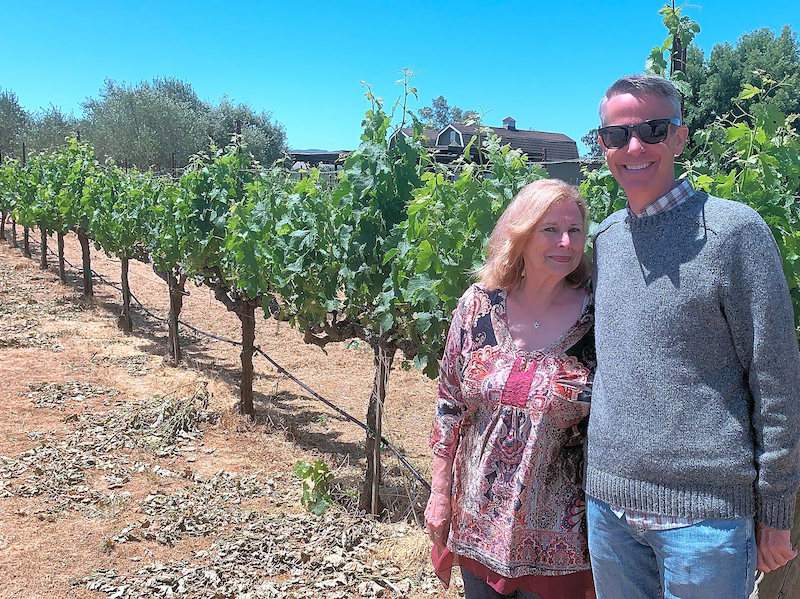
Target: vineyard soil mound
x=123, y=476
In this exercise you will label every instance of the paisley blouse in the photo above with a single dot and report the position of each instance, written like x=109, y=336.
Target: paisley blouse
x=513, y=421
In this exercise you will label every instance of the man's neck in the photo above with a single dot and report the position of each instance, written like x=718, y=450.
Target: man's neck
x=638, y=202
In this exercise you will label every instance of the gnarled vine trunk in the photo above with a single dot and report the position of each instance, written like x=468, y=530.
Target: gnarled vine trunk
x=125, y=322
x=3, y=216
x=43, y=256
x=370, y=500
x=176, y=292
x=88, y=290
x=62, y=273
x=13, y=242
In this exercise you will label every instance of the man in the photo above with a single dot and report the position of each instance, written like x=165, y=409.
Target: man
x=695, y=424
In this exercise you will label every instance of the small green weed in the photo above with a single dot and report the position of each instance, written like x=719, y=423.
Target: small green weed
x=315, y=478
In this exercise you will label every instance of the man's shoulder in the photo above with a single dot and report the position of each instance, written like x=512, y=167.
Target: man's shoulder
x=610, y=221
x=729, y=217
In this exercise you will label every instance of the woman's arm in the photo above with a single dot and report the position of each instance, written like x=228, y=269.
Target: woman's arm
x=438, y=511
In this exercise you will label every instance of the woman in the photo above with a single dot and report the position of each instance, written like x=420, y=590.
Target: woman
x=513, y=392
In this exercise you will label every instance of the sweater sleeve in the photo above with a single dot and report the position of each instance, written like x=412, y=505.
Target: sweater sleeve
x=450, y=407
x=758, y=308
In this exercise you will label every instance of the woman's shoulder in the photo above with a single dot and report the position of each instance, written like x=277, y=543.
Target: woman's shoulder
x=476, y=291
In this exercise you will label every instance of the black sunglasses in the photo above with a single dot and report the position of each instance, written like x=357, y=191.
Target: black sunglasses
x=650, y=132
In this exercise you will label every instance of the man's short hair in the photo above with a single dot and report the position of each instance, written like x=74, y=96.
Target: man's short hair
x=643, y=85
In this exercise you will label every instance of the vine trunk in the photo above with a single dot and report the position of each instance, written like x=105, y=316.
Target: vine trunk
x=177, y=285
x=43, y=256
x=26, y=242
x=125, y=322
x=88, y=290
x=246, y=314
x=62, y=273
x=383, y=356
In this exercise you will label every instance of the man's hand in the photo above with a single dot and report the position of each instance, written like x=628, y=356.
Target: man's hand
x=437, y=518
x=774, y=548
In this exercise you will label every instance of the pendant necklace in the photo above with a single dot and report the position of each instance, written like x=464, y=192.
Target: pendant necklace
x=536, y=324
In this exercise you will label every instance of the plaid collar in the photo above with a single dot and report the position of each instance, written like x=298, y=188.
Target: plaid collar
x=674, y=197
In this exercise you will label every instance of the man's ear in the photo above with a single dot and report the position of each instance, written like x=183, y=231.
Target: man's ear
x=680, y=139
x=602, y=145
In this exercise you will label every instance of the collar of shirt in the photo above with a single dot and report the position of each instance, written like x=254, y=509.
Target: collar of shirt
x=674, y=197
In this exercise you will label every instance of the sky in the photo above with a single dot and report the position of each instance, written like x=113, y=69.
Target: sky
x=546, y=64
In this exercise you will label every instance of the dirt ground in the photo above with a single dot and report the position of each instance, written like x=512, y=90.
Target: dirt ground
x=99, y=497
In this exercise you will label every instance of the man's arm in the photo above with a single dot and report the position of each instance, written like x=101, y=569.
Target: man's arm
x=759, y=312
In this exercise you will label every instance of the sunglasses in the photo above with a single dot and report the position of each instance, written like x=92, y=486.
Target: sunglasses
x=650, y=132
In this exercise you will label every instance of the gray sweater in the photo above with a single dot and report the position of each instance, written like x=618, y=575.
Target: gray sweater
x=696, y=400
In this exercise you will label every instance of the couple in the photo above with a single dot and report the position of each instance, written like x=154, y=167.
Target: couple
x=692, y=456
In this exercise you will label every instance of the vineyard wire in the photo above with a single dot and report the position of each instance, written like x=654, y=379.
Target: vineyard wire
x=281, y=370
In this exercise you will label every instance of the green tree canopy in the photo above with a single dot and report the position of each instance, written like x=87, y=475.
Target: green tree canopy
x=440, y=114
x=49, y=128
x=265, y=139
x=717, y=81
x=13, y=122
x=146, y=123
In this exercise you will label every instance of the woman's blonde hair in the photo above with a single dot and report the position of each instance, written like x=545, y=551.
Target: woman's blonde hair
x=504, y=267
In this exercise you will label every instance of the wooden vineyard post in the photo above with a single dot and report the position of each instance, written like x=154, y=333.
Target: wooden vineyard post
x=62, y=274
x=370, y=497
x=784, y=583
x=43, y=247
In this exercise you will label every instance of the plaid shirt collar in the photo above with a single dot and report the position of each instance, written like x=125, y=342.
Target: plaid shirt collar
x=674, y=197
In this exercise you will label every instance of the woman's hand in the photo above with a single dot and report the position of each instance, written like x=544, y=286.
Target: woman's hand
x=437, y=517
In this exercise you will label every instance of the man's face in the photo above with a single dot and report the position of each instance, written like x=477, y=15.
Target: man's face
x=645, y=171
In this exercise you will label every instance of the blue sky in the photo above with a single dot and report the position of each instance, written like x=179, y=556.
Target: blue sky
x=544, y=63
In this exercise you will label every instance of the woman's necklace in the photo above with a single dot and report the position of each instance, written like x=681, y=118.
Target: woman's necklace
x=536, y=324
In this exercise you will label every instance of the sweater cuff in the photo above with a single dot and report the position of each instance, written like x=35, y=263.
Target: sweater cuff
x=776, y=512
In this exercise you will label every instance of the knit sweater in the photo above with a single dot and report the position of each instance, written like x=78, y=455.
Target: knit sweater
x=695, y=406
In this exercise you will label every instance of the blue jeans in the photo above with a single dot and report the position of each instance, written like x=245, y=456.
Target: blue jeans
x=713, y=559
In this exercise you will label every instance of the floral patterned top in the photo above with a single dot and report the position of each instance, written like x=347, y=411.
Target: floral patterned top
x=513, y=421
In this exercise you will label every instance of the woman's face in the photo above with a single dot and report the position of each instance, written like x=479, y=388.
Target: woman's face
x=555, y=246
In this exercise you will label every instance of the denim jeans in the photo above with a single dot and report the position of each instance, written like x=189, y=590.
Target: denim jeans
x=712, y=559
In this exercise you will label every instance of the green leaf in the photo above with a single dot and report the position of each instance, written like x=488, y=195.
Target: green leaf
x=748, y=91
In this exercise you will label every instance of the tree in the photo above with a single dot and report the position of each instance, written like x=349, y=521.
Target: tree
x=13, y=122
x=716, y=83
x=145, y=124
x=265, y=139
x=49, y=129
x=440, y=114
x=590, y=141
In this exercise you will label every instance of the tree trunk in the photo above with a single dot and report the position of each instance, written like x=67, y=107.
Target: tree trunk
x=784, y=583
x=43, y=257
x=176, y=293
x=26, y=245
x=125, y=322
x=13, y=233
x=370, y=497
x=62, y=274
x=3, y=224
x=88, y=291
x=246, y=314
